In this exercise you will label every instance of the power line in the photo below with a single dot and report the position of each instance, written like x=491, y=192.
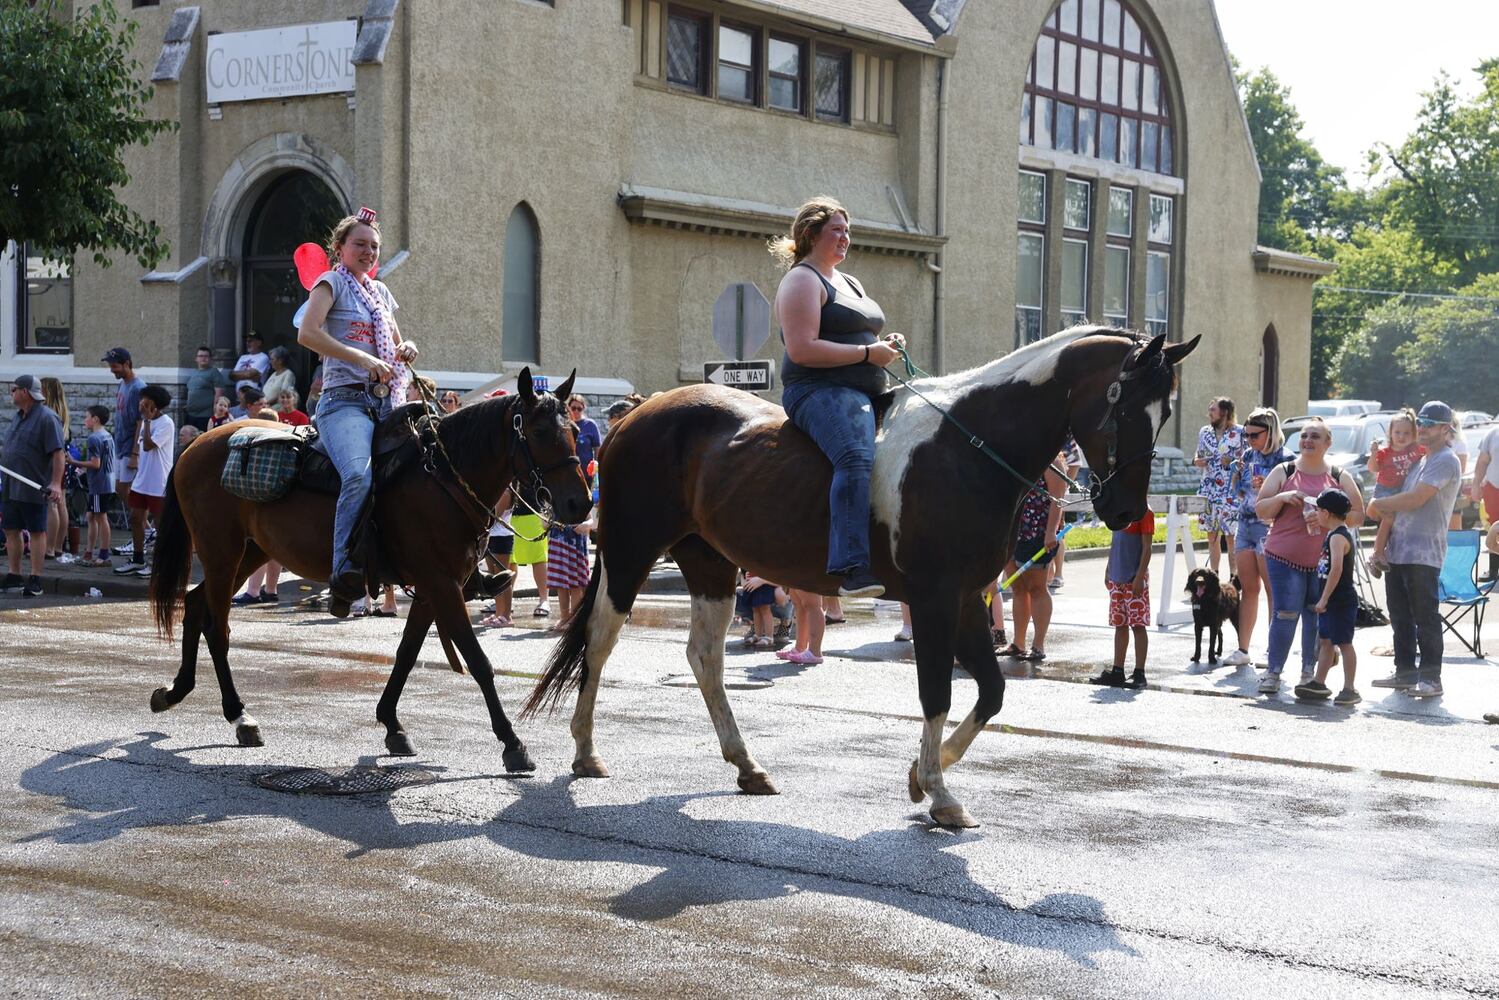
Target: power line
x=1492, y=300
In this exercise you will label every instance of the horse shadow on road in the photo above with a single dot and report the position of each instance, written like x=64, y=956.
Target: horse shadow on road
x=122, y=787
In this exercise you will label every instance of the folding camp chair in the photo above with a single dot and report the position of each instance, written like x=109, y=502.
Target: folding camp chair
x=1457, y=590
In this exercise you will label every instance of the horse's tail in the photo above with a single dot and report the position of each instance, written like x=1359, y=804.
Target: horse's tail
x=171, y=565
x=569, y=660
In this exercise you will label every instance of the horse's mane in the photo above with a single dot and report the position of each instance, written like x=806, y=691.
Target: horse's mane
x=473, y=429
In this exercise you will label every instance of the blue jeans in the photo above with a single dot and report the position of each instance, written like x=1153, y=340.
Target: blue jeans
x=1293, y=594
x=346, y=424
x=841, y=421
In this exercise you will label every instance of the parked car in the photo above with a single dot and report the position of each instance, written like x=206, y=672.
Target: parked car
x=1341, y=407
x=1470, y=418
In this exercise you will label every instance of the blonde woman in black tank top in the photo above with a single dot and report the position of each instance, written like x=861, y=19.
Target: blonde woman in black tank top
x=832, y=370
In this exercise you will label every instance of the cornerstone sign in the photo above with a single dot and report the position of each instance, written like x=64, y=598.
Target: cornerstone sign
x=281, y=62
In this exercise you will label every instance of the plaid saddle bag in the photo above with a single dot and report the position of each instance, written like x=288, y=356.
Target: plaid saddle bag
x=262, y=463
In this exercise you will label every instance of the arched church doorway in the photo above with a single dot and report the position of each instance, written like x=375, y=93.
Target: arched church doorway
x=295, y=208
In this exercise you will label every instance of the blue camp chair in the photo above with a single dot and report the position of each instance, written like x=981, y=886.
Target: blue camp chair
x=1458, y=591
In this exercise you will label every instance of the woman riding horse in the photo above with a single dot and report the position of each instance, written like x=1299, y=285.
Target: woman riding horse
x=350, y=321
x=833, y=370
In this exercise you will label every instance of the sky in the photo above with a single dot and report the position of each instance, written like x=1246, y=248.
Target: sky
x=1356, y=68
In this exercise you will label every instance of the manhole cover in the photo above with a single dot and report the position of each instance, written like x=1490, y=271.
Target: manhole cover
x=733, y=680
x=344, y=780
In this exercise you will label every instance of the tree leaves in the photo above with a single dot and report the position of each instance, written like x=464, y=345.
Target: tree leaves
x=71, y=102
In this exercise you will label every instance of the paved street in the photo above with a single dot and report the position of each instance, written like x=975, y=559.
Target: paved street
x=1190, y=840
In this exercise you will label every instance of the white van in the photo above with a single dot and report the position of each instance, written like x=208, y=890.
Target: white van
x=1341, y=407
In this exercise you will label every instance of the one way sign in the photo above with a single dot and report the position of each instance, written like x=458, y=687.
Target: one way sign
x=753, y=376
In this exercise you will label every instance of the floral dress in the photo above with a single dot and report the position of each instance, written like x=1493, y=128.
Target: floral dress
x=1220, y=449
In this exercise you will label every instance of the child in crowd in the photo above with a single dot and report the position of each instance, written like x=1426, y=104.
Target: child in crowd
x=762, y=596
x=567, y=568
x=1392, y=462
x=1128, y=581
x=98, y=462
x=220, y=413
x=286, y=405
x=1337, y=609
x=809, y=629
x=156, y=438
x=497, y=559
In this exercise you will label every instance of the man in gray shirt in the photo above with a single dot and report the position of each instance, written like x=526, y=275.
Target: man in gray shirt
x=1417, y=547
x=32, y=450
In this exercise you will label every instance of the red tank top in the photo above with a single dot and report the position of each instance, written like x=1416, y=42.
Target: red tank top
x=1289, y=539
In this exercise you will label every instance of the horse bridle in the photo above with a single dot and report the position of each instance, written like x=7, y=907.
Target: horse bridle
x=521, y=445
x=1114, y=395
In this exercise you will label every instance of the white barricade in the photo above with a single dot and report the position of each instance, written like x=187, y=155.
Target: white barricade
x=1178, y=509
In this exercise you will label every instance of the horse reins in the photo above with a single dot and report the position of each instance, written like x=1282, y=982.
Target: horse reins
x=1109, y=425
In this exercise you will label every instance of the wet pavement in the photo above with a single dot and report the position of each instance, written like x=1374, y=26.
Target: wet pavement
x=1190, y=840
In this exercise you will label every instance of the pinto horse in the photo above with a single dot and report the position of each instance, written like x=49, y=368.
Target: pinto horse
x=721, y=479
x=430, y=522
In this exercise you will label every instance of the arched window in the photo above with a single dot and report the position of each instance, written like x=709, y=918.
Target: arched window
x=1094, y=88
x=521, y=333
x=1269, y=368
x=1100, y=247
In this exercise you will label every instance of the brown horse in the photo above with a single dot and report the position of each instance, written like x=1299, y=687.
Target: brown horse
x=721, y=479
x=430, y=535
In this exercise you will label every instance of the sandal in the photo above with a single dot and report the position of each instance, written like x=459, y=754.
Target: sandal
x=1013, y=651
x=542, y=611
x=495, y=621
x=828, y=619
x=1034, y=656
x=997, y=637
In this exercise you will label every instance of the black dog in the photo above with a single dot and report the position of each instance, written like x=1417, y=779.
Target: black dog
x=1212, y=605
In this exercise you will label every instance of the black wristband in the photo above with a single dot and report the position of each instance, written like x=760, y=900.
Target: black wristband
x=866, y=354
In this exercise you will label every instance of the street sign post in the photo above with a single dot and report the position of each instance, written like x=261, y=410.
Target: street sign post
x=753, y=376
x=741, y=320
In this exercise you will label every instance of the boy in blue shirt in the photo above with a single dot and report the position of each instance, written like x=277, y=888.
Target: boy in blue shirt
x=98, y=462
x=1128, y=581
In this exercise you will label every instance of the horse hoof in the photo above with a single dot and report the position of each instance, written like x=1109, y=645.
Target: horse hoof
x=913, y=785
x=590, y=767
x=398, y=744
x=159, y=702
x=954, y=817
x=248, y=736
x=517, y=761
x=758, y=783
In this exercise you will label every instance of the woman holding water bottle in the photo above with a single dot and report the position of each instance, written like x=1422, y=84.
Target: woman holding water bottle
x=1288, y=501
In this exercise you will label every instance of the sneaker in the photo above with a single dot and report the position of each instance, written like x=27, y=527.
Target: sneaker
x=144, y=571
x=1397, y=680
x=1270, y=683
x=244, y=600
x=33, y=588
x=268, y=598
x=1348, y=696
x=1238, y=658
x=1425, y=689
x=860, y=582
x=1312, y=691
x=13, y=583
x=1307, y=673
x=904, y=635
x=66, y=559
x=1136, y=679
x=1055, y=584
x=130, y=567
x=124, y=550
x=1112, y=677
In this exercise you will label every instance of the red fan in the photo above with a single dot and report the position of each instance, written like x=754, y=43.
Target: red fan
x=312, y=263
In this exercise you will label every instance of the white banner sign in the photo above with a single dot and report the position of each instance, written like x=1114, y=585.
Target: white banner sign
x=281, y=62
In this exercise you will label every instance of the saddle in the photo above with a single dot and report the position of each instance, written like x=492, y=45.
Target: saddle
x=394, y=447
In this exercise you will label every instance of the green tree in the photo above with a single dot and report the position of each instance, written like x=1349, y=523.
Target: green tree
x=1366, y=366
x=71, y=102
x=1298, y=188
x=1445, y=186
x=1452, y=354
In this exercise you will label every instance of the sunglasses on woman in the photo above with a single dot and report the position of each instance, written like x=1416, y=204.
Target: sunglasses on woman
x=1255, y=435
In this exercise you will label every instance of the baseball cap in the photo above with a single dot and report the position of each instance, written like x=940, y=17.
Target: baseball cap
x=116, y=355
x=252, y=335
x=1433, y=412
x=1334, y=501
x=31, y=385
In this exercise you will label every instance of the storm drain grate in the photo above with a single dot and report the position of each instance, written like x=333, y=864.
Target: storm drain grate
x=357, y=780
